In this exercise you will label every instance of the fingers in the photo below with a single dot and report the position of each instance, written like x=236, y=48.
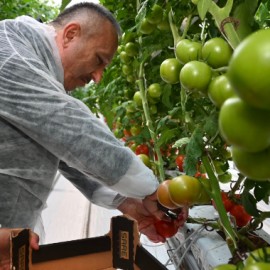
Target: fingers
x=34, y=240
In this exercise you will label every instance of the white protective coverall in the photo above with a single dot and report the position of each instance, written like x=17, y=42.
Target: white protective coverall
x=43, y=130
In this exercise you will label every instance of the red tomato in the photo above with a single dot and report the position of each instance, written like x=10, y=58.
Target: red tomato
x=166, y=229
x=180, y=162
x=241, y=216
x=142, y=149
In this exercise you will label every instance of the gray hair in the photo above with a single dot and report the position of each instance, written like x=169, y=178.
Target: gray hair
x=93, y=13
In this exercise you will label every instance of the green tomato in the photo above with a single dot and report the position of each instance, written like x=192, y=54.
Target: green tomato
x=184, y=190
x=225, y=267
x=258, y=255
x=124, y=57
x=146, y=27
x=164, y=25
x=127, y=69
x=137, y=98
x=154, y=90
x=170, y=70
x=225, y=177
x=249, y=69
x=131, y=49
x=258, y=266
x=155, y=15
x=252, y=165
x=217, y=52
x=220, y=89
x=244, y=126
x=145, y=159
x=135, y=130
x=195, y=76
x=187, y=50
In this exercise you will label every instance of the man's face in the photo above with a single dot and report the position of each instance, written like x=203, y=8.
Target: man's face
x=84, y=59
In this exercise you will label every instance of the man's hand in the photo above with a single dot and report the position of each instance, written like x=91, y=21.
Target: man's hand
x=146, y=212
x=5, y=246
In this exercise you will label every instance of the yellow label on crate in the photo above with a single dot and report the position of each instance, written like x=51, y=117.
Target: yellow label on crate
x=124, y=245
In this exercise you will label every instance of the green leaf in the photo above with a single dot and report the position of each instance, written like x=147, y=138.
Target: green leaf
x=64, y=4
x=179, y=143
x=249, y=203
x=203, y=6
x=166, y=135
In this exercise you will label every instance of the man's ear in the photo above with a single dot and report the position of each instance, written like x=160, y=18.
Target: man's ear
x=70, y=32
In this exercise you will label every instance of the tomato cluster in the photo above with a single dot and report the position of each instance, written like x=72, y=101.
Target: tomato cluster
x=234, y=207
x=243, y=119
x=183, y=190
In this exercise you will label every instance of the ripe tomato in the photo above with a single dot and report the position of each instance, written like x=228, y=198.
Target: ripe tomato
x=142, y=149
x=220, y=89
x=146, y=27
x=228, y=204
x=164, y=196
x=131, y=49
x=241, y=216
x=184, y=190
x=249, y=68
x=252, y=165
x=187, y=50
x=217, y=52
x=166, y=229
x=225, y=267
x=145, y=159
x=137, y=98
x=244, y=126
x=155, y=15
x=195, y=76
x=180, y=162
x=154, y=90
x=170, y=70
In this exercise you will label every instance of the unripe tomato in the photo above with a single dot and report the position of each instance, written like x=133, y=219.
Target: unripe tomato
x=220, y=89
x=124, y=57
x=164, y=25
x=145, y=159
x=131, y=49
x=146, y=27
x=187, y=50
x=155, y=15
x=225, y=267
x=135, y=130
x=184, y=190
x=195, y=76
x=164, y=196
x=244, y=126
x=258, y=266
x=225, y=177
x=217, y=52
x=258, y=255
x=127, y=69
x=137, y=98
x=249, y=69
x=170, y=70
x=252, y=165
x=153, y=109
x=154, y=90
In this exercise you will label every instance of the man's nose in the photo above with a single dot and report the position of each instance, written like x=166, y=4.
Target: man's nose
x=97, y=75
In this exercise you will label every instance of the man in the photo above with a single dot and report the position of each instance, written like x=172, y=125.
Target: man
x=43, y=130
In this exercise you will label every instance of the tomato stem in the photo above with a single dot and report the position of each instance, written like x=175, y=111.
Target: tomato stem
x=216, y=195
x=149, y=122
x=224, y=22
